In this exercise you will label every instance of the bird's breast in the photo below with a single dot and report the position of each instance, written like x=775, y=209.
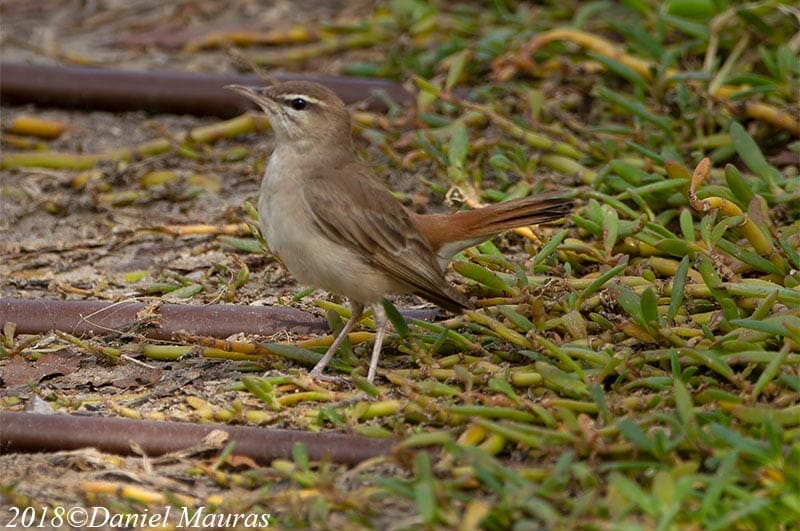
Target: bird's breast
x=311, y=257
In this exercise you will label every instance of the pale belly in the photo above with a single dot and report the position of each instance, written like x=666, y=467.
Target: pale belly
x=313, y=259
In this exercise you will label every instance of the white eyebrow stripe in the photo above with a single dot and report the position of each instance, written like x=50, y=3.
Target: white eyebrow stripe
x=309, y=99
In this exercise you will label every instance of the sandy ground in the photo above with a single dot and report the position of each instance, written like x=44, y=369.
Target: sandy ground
x=62, y=240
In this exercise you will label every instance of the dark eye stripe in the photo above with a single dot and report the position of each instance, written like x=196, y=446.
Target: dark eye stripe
x=292, y=99
x=297, y=103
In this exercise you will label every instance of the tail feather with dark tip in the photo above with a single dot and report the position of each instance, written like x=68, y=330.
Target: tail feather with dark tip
x=451, y=233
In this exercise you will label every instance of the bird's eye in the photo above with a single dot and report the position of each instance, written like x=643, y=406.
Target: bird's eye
x=298, y=104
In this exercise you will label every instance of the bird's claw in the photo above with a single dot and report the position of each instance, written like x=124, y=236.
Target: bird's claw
x=317, y=375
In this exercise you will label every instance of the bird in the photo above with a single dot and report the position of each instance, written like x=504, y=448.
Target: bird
x=336, y=226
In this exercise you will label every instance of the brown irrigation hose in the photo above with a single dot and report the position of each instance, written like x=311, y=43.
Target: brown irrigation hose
x=31, y=432
x=81, y=318
x=99, y=318
x=169, y=92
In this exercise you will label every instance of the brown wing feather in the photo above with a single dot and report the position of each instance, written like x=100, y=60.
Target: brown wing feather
x=378, y=227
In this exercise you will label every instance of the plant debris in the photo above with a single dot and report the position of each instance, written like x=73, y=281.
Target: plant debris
x=633, y=366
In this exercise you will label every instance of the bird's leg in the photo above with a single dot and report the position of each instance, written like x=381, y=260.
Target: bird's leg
x=381, y=323
x=356, y=310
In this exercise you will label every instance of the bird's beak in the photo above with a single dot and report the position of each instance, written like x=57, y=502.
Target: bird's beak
x=257, y=94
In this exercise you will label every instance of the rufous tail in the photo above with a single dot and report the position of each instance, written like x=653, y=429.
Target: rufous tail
x=451, y=233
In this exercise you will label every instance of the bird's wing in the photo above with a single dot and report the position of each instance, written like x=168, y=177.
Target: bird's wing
x=378, y=227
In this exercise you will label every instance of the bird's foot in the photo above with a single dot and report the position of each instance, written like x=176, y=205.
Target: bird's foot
x=318, y=376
